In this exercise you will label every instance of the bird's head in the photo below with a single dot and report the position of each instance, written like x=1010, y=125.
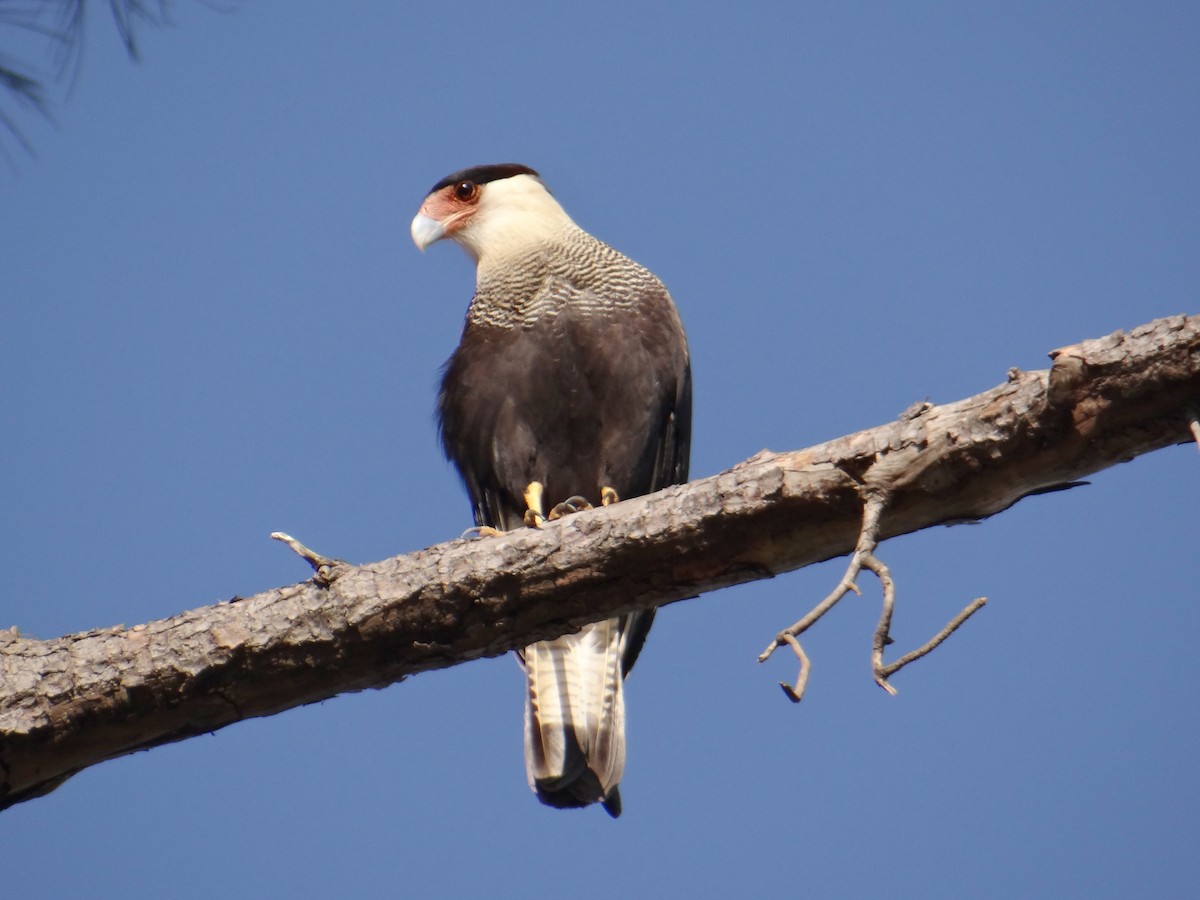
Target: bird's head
x=489, y=210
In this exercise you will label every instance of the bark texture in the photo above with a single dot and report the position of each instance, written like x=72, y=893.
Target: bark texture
x=73, y=701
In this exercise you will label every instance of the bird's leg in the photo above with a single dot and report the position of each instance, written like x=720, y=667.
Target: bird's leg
x=570, y=505
x=608, y=496
x=535, y=515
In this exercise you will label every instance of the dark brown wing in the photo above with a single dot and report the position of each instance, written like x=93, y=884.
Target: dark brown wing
x=595, y=394
x=576, y=401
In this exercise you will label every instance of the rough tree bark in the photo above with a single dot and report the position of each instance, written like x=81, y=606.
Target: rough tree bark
x=73, y=701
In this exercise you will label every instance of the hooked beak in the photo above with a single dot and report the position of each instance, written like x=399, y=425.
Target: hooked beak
x=426, y=230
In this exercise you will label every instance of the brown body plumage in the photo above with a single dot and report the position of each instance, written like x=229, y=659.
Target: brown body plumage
x=572, y=372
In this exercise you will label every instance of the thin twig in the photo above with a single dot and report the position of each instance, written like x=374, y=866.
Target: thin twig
x=843, y=587
x=796, y=694
x=868, y=537
x=973, y=607
x=323, y=566
x=882, y=635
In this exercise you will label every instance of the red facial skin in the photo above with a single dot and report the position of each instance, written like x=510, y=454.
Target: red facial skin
x=453, y=205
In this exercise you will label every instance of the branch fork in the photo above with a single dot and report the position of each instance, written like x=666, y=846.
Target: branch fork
x=874, y=504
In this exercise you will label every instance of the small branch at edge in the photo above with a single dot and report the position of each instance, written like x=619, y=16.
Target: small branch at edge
x=323, y=566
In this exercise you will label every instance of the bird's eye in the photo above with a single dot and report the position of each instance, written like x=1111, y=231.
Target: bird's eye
x=466, y=190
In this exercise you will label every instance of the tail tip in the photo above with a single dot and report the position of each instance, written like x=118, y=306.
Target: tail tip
x=612, y=803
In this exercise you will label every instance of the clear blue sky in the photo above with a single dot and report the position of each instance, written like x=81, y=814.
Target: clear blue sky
x=214, y=325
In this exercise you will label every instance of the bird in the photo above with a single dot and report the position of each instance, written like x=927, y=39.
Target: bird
x=570, y=387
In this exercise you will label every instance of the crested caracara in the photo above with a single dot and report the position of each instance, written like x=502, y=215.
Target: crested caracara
x=570, y=387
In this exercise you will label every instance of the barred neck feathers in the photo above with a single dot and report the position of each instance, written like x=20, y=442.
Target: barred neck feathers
x=539, y=279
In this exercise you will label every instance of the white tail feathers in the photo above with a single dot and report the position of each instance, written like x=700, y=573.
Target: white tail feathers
x=575, y=717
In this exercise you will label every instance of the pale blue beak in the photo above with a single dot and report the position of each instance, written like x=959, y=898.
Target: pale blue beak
x=426, y=230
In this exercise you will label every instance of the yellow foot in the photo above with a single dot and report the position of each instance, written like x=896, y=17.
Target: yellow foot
x=535, y=515
x=481, y=531
x=570, y=505
x=608, y=496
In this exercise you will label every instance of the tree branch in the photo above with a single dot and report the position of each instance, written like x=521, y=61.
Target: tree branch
x=73, y=701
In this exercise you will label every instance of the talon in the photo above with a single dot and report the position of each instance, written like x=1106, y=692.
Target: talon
x=535, y=514
x=480, y=531
x=608, y=496
x=570, y=505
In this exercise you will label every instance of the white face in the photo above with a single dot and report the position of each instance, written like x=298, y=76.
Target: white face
x=489, y=219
